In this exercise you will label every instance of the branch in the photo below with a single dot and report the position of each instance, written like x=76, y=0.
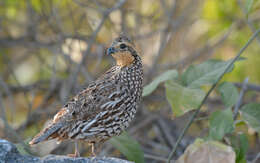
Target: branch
x=256, y=158
x=241, y=95
x=252, y=87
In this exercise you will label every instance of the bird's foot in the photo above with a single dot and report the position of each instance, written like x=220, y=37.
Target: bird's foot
x=74, y=154
x=71, y=155
x=93, y=154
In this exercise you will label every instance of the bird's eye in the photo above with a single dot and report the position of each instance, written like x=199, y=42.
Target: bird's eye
x=122, y=46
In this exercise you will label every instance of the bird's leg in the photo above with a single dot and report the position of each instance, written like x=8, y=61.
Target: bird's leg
x=93, y=149
x=76, y=154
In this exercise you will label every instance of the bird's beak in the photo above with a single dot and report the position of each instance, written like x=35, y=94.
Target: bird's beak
x=111, y=50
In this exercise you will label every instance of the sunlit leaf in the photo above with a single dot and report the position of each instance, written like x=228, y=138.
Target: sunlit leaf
x=206, y=73
x=170, y=74
x=229, y=93
x=207, y=152
x=220, y=123
x=251, y=114
x=182, y=99
x=129, y=147
x=36, y=4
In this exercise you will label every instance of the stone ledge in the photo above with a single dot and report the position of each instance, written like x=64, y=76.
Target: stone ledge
x=10, y=154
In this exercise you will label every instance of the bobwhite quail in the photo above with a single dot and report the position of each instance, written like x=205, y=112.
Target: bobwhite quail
x=106, y=107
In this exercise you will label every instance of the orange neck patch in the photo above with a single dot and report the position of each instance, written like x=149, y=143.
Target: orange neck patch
x=123, y=58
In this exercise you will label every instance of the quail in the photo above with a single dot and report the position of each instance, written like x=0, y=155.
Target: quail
x=106, y=107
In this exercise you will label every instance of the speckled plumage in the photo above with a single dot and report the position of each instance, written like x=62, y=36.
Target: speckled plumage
x=106, y=107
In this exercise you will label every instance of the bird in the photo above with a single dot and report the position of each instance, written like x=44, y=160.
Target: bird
x=106, y=106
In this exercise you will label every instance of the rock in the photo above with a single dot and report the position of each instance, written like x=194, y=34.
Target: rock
x=10, y=154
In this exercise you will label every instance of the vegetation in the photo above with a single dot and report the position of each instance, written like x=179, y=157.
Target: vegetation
x=201, y=63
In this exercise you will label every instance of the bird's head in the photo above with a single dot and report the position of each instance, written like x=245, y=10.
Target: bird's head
x=123, y=51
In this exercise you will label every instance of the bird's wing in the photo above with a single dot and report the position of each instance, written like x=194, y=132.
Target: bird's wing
x=90, y=101
x=105, y=102
x=84, y=106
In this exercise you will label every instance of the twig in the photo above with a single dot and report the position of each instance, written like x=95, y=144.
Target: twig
x=165, y=37
x=208, y=49
x=8, y=129
x=169, y=31
x=201, y=118
x=208, y=93
x=248, y=21
x=241, y=95
x=165, y=130
x=155, y=145
x=252, y=87
x=142, y=124
x=9, y=95
x=256, y=158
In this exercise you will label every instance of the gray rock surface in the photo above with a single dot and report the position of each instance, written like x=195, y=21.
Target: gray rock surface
x=10, y=154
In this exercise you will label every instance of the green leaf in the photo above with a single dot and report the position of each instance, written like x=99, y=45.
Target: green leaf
x=170, y=74
x=220, y=123
x=251, y=114
x=240, y=145
x=249, y=5
x=229, y=93
x=243, y=146
x=182, y=99
x=206, y=73
x=129, y=147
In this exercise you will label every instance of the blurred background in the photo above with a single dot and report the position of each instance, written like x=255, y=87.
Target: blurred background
x=50, y=49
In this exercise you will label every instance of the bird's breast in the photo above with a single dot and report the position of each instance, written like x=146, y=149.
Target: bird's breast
x=132, y=78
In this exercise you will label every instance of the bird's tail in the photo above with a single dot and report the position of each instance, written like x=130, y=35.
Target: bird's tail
x=46, y=133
